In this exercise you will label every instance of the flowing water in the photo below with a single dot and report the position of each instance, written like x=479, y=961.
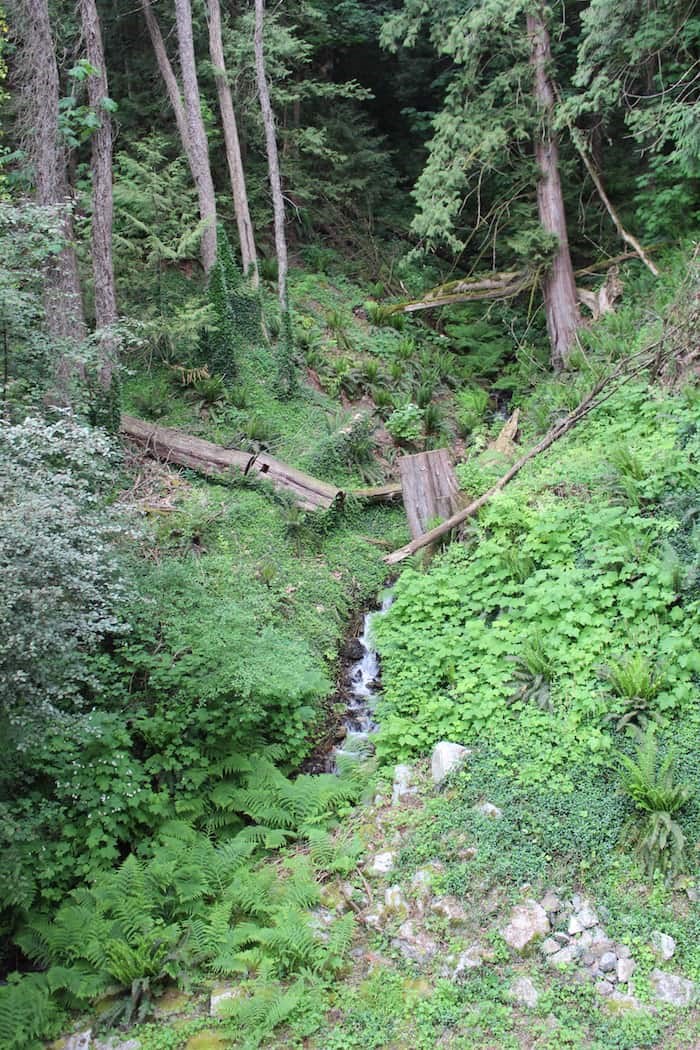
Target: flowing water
x=362, y=687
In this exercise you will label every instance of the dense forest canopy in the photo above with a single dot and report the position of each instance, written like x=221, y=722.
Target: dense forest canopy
x=258, y=264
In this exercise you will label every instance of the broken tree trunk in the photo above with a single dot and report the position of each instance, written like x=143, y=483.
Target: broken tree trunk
x=429, y=487
x=591, y=401
x=627, y=237
x=173, y=446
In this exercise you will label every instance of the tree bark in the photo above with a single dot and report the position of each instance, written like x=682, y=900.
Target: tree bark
x=559, y=287
x=272, y=158
x=170, y=80
x=102, y=204
x=199, y=148
x=233, y=148
x=39, y=113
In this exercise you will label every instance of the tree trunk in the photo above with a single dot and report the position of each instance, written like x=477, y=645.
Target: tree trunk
x=233, y=148
x=199, y=149
x=166, y=71
x=272, y=159
x=102, y=207
x=38, y=108
x=559, y=287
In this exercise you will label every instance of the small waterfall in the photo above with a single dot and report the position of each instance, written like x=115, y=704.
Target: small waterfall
x=362, y=681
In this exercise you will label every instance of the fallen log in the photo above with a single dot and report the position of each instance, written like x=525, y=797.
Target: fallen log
x=592, y=400
x=490, y=286
x=172, y=446
x=379, y=493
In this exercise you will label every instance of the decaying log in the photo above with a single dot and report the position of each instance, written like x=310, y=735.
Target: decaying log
x=379, y=493
x=505, y=442
x=469, y=289
x=610, y=383
x=173, y=446
x=430, y=489
x=484, y=287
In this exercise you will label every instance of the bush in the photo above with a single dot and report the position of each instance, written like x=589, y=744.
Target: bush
x=63, y=583
x=406, y=423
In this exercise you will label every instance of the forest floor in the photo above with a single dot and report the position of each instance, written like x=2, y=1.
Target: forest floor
x=493, y=909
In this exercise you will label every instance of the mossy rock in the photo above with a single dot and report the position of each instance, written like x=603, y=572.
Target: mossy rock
x=207, y=1040
x=171, y=1002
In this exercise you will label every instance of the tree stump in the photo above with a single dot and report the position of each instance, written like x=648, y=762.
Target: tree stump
x=430, y=489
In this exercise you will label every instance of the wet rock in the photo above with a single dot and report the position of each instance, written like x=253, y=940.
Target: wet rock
x=414, y=943
x=382, y=863
x=523, y=991
x=79, y=1040
x=670, y=988
x=604, y=987
x=663, y=945
x=447, y=757
x=402, y=784
x=528, y=924
x=449, y=908
x=625, y=969
x=353, y=650
x=487, y=809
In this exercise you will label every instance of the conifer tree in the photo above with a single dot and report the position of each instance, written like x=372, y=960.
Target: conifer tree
x=286, y=373
x=232, y=144
x=38, y=99
x=196, y=132
x=102, y=209
x=489, y=123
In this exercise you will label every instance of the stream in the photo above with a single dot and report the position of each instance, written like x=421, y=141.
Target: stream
x=362, y=685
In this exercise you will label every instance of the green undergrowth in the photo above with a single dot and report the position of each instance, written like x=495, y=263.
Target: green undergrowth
x=587, y=562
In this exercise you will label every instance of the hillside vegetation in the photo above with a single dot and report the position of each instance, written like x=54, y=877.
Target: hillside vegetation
x=341, y=235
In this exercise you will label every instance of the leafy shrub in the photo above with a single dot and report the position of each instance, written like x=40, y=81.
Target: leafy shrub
x=62, y=582
x=652, y=832
x=406, y=423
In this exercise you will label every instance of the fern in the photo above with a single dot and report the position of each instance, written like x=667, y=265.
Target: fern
x=28, y=1013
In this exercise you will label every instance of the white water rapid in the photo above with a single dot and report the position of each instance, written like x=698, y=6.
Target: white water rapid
x=361, y=677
